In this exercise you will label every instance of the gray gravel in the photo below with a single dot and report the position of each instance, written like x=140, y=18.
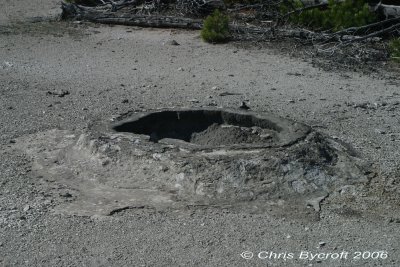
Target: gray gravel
x=111, y=70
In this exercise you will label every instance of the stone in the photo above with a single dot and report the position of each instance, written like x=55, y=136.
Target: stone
x=316, y=202
x=60, y=93
x=172, y=42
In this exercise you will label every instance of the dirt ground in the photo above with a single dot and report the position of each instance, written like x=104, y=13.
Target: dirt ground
x=65, y=75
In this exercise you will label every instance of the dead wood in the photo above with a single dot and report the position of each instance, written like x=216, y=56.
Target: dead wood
x=103, y=14
x=109, y=17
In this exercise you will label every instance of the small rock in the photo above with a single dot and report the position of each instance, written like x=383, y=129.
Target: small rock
x=164, y=168
x=172, y=42
x=294, y=74
x=321, y=244
x=67, y=195
x=61, y=93
x=125, y=101
x=244, y=106
x=394, y=220
x=194, y=100
x=228, y=93
x=181, y=69
x=291, y=101
x=216, y=88
x=363, y=105
x=316, y=202
x=8, y=64
x=379, y=131
x=26, y=208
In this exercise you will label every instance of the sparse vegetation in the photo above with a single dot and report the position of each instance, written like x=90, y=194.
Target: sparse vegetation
x=216, y=28
x=336, y=16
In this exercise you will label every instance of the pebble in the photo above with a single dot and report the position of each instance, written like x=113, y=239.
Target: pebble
x=67, y=195
x=181, y=69
x=380, y=131
x=172, y=42
x=363, y=105
x=26, y=208
x=61, y=93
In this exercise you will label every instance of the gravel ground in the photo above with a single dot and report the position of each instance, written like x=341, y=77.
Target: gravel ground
x=64, y=75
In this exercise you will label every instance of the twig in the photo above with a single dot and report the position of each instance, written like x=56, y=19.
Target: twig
x=374, y=34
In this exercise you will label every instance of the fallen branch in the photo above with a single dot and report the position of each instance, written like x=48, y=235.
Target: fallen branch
x=243, y=7
x=107, y=17
x=374, y=34
x=368, y=26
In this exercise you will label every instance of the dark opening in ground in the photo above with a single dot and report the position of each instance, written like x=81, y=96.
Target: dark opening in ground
x=204, y=127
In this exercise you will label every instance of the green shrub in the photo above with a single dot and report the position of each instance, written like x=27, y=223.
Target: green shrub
x=337, y=16
x=216, y=28
x=394, y=49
